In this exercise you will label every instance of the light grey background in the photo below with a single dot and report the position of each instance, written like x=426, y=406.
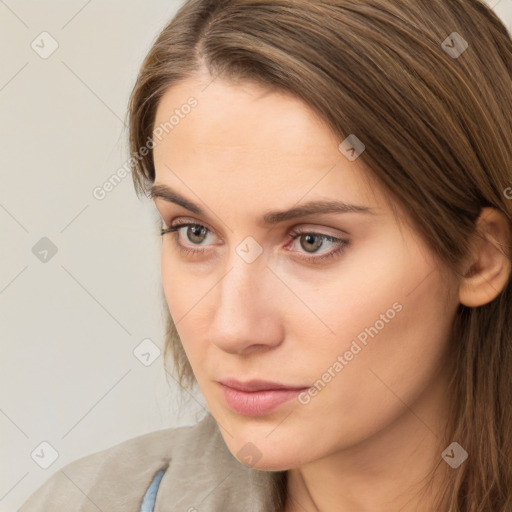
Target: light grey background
x=71, y=321
x=69, y=325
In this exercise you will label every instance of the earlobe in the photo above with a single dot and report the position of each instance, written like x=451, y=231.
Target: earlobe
x=489, y=269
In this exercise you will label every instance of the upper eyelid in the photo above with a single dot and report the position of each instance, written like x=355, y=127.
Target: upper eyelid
x=323, y=231
x=184, y=219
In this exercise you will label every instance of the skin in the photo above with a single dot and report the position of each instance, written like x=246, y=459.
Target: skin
x=369, y=437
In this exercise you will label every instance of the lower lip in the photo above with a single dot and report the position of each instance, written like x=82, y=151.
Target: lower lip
x=257, y=403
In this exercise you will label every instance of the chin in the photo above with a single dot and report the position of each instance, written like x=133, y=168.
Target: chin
x=265, y=443
x=265, y=454
x=273, y=463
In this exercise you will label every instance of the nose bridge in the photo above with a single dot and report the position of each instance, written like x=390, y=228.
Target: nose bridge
x=244, y=315
x=244, y=282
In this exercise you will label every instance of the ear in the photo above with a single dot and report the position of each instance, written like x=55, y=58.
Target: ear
x=488, y=270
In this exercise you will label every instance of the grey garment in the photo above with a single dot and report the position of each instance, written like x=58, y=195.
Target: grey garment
x=201, y=475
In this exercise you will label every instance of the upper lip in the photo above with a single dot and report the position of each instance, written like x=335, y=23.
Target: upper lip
x=257, y=385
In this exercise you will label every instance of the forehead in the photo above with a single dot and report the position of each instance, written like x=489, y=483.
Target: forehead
x=252, y=136
x=244, y=114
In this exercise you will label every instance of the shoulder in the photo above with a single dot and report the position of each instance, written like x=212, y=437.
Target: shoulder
x=195, y=459
x=116, y=478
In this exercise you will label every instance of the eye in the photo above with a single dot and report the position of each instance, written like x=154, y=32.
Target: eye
x=310, y=241
x=195, y=233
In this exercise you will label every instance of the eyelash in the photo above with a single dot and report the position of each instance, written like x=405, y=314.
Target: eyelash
x=294, y=234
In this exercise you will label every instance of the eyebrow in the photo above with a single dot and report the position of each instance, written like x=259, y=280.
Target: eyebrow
x=271, y=217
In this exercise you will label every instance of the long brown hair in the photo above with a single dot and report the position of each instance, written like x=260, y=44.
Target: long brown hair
x=427, y=86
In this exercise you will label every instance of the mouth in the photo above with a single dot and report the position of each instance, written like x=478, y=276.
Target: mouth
x=257, y=397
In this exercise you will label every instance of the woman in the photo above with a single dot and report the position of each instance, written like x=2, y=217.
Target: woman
x=334, y=182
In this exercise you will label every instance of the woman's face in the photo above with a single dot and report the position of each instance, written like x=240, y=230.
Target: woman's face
x=354, y=310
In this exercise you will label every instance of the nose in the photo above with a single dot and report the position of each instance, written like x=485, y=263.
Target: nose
x=247, y=308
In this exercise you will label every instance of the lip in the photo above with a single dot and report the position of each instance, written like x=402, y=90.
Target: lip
x=257, y=397
x=258, y=385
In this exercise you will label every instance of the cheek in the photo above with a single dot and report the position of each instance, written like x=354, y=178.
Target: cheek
x=171, y=283
x=391, y=323
x=181, y=287
x=185, y=295
x=359, y=298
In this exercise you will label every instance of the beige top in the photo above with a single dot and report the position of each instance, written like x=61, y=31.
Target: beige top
x=201, y=475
